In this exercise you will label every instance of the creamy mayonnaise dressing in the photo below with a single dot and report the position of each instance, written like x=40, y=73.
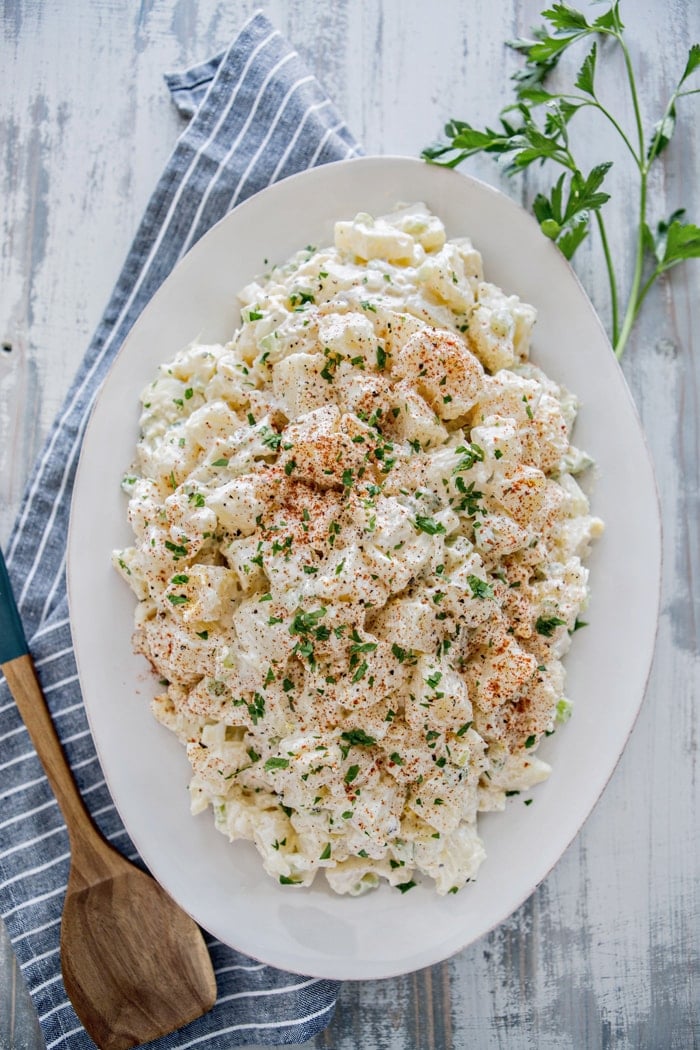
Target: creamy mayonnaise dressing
x=358, y=557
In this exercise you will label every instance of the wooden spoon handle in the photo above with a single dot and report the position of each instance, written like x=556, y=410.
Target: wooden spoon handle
x=26, y=690
x=91, y=854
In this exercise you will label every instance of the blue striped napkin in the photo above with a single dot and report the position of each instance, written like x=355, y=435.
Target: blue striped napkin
x=257, y=115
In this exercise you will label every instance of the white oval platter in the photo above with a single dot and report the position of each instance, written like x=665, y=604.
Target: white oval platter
x=221, y=884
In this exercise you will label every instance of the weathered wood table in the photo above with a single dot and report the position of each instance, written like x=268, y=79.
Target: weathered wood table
x=605, y=953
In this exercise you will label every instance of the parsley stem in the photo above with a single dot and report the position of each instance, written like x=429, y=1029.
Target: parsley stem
x=595, y=103
x=633, y=301
x=625, y=138
x=642, y=294
x=634, y=96
x=653, y=277
x=612, y=280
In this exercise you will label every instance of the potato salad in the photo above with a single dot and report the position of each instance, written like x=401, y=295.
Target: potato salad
x=358, y=558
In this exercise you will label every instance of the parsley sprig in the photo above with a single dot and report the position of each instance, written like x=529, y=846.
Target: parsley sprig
x=537, y=127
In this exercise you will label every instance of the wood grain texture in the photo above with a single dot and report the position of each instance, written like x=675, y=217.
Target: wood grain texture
x=605, y=953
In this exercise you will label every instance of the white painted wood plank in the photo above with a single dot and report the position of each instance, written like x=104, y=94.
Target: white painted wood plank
x=605, y=953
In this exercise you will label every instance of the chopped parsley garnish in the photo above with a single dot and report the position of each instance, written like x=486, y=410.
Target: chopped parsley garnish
x=351, y=774
x=256, y=709
x=360, y=672
x=304, y=622
x=358, y=646
x=355, y=738
x=326, y=855
x=531, y=741
x=470, y=503
x=545, y=625
x=306, y=649
x=223, y=462
x=428, y=525
x=403, y=655
x=479, y=588
x=471, y=454
x=276, y=763
x=178, y=599
x=176, y=549
x=404, y=887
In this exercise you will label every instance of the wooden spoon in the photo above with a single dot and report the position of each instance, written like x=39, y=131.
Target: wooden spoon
x=135, y=966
